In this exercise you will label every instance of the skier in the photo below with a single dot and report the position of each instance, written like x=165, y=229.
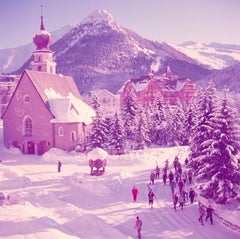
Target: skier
x=173, y=186
x=157, y=172
x=201, y=212
x=138, y=226
x=175, y=163
x=164, y=178
x=152, y=177
x=181, y=201
x=171, y=176
x=151, y=195
x=191, y=195
x=175, y=201
x=180, y=186
x=185, y=195
x=134, y=193
x=209, y=213
x=184, y=177
x=190, y=176
x=59, y=166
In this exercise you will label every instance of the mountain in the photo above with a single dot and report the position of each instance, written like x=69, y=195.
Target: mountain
x=12, y=59
x=99, y=53
x=229, y=77
x=214, y=55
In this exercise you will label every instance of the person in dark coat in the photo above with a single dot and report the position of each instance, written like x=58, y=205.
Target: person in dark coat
x=151, y=195
x=59, y=166
x=209, y=211
x=157, y=172
x=164, y=178
x=171, y=176
x=191, y=195
x=175, y=201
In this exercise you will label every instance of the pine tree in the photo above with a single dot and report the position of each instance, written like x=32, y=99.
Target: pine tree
x=116, y=133
x=99, y=130
x=215, y=138
x=178, y=120
x=142, y=137
x=130, y=116
x=156, y=120
x=206, y=106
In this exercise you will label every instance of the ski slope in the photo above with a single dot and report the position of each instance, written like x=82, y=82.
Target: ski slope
x=72, y=204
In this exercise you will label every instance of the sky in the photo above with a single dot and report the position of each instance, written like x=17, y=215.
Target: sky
x=170, y=21
x=72, y=204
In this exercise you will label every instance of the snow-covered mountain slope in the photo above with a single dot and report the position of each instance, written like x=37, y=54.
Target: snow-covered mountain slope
x=101, y=54
x=13, y=58
x=214, y=55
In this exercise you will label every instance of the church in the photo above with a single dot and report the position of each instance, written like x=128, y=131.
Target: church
x=46, y=110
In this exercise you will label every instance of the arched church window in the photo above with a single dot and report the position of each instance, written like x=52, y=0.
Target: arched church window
x=27, y=126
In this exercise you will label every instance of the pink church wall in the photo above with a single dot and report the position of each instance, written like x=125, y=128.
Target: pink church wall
x=18, y=108
x=65, y=140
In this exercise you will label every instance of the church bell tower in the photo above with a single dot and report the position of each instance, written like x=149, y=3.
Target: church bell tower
x=43, y=56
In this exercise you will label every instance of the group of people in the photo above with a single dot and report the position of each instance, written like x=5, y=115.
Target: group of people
x=209, y=212
x=178, y=179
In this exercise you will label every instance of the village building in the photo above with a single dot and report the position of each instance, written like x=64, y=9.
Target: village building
x=171, y=87
x=7, y=86
x=45, y=110
x=110, y=103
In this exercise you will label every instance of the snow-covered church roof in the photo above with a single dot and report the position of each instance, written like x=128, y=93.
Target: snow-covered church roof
x=60, y=93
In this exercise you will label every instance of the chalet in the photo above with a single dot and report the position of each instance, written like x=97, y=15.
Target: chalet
x=110, y=103
x=172, y=88
x=45, y=110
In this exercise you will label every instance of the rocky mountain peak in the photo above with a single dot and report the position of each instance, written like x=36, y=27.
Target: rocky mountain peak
x=100, y=21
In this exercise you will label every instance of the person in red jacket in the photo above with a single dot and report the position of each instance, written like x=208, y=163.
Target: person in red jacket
x=134, y=193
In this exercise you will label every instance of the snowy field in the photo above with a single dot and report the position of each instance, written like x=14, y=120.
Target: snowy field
x=72, y=204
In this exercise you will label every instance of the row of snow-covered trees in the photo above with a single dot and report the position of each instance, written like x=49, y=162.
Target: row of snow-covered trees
x=158, y=125
x=210, y=126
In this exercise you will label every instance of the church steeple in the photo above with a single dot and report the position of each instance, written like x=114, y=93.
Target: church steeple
x=43, y=55
x=42, y=25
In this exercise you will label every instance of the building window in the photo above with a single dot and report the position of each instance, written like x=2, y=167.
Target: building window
x=73, y=136
x=60, y=131
x=39, y=68
x=27, y=126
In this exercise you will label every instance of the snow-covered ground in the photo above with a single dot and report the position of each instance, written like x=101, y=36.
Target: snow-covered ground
x=72, y=204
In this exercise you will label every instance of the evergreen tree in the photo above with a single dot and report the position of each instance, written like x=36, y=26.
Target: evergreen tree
x=178, y=120
x=99, y=130
x=116, y=133
x=142, y=137
x=216, y=139
x=156, y=120
x=130, y=116
x=206, y=106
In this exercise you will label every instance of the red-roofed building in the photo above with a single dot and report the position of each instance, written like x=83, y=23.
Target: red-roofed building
x=45, y=110
x=170, y=86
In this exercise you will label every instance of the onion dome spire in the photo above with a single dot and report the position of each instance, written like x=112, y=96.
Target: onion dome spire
x=43, y=39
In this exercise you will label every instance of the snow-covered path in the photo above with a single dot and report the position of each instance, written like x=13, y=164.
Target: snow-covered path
x=72, y=204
